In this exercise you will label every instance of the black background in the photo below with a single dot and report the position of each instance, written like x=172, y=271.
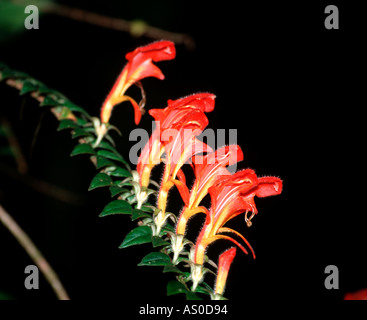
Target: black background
x=294, y=91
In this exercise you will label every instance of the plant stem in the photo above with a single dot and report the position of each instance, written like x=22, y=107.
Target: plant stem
x=34, y=253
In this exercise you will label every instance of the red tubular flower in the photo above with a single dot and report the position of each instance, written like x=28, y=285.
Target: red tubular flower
x=139, y=66
x=224, y=263
x=208, y=169
x=231, y=196
x=180, y=144
x=174, y=116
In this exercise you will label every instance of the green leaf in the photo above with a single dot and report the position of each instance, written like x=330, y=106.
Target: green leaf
x=29, y=85
x=156, y=259
x=115, y=190
x=103, y=162
x=172, y=269
x=9, y=73
x=147, y=209
x=80, y=132
x=169, y=228
x=75, y=108
x=111, y=155
x=100, y=180
x=66, y=124
x=105, y=145
x=138, y=214
x=82, y=148
x=192, y=296
x=203, y=290
x=81, y=121
x=117, y=207
x=50, y=100
x=43, y=89
x=137, y=236
x=120, y=172
x=175, y=287
x=158, y=242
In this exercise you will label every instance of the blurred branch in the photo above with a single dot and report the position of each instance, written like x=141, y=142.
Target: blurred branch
x=14, y=146
x=34, y=253
x=137, y=28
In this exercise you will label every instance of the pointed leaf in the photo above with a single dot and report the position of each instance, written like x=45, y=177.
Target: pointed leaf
x=200, y=289
x=158, y=242
x=146, y=208
x=100, y=180
x=111, y=155
x=104, y=162
x=28, y=86
x=139, y=235
x=105, y=145
x=80, y=132
x=115, y=190
x=66, y=124
x=75, y=108
x=138, y=214
x=120, y=172
x=172, y=268
x=82, y=148
x=9, y=73
x=156, y=259
x=175, y=287
x=169, y=228
x=50, y=100
x=116, y=207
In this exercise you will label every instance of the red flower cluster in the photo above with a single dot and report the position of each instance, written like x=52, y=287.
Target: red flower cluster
x=174, y=142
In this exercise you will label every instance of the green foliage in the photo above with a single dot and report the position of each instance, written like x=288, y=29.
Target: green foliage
x=82, y=148
x=156, y=259
x=140, y=214
x=176, y=287
x=159, y=242
x=66, y=124
x=139, y=235
x=114, y=172
x=116, y=207
x=100, y=180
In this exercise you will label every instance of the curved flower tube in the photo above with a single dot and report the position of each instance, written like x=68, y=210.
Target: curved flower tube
x=180, y=144
x=139, y=66
x=224, y=263
x=208, y=169
x=231, y=196
x=173, y=116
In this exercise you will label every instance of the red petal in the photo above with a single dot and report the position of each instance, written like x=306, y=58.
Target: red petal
x=184, y=191
x=137, y=111
x=224, y=263
x=226, y=259
x=181, y=176
x=141, y=69
x=203, y=101
x=157, y=51
x=269, y=186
